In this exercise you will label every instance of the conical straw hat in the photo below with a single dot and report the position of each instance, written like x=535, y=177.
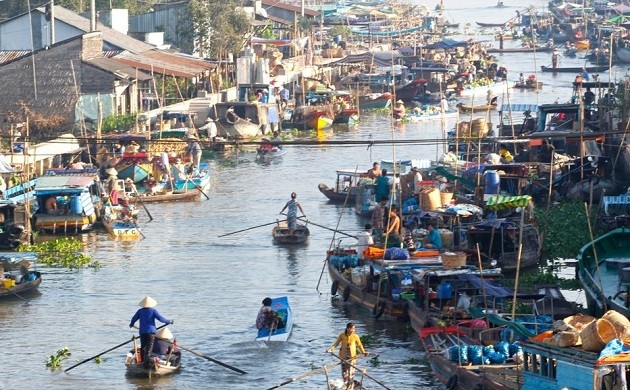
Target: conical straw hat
x=148, y=302
x=164, y=334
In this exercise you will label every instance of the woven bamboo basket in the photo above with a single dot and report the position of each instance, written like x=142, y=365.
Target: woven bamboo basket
x=579, y=321
x=568, y=339
x=446, y=197
x=620, y=322
x=451, y=260
x=597, y=334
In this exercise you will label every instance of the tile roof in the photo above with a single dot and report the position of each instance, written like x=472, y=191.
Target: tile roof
x=288, y=7
x=113, y=66
x=170, y=64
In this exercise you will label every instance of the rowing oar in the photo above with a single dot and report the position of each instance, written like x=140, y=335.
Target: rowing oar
x=326, y=227
x=104, y=352
x=139, y=197
x=192, y=181
x=212, y=360
x=250, y=228
x=361, y=370
x=302, y=376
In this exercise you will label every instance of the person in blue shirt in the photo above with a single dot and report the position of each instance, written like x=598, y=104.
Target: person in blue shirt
x=434, y=240
x=147, y=314
x=382, y=188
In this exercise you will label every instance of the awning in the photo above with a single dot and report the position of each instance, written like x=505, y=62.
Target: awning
x=496, y=203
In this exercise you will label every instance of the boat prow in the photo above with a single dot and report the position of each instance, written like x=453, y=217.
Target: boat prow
x=281, y=306
x=281, y=234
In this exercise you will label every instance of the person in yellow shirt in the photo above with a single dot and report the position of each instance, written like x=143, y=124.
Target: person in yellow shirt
x=348, y=352
x=506, y=156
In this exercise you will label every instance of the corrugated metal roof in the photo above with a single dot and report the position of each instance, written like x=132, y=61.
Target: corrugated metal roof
x=113, y=66
x=10, y=55
x=289, y=7
x=110, y=35
x=165, y=63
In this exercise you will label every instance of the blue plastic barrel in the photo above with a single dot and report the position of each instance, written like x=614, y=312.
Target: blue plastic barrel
x=493, y=181
x=75, y=205
x=444, y=291
x=337, y=39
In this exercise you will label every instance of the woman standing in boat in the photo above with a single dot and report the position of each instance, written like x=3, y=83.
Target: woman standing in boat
x=292, y=207
x=348, y=352
x=147, y=314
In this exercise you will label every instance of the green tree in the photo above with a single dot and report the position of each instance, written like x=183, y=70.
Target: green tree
x=213, y=29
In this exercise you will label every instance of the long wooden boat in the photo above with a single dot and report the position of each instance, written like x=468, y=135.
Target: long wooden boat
x=539, y=49
x=281, y=234
x=408, y=92
x=375, y=101
x=535, y=85
x=440, y=342
x=575, y=69
x=28, y=283
x=604, y=271
x=347, y=116
x=242, y=120
x=478, y=108
x=159, y=366
x=166, y=196
x=282, y=306
x=199, y=180
x=268, y=152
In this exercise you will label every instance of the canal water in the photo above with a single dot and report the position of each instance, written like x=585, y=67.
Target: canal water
x=212, y=287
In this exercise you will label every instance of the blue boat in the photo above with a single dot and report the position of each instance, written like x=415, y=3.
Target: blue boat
x=281, y=306
x=550, y=367
x=199, y=181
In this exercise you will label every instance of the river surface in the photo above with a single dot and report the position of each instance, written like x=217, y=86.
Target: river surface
x=213, y=287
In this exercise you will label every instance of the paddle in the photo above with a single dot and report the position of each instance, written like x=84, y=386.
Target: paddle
x=362, y=371
x=326, y=227
x=104, y=352
x=302, y=376
x=139, y=197
x=212, y=360
x=196, y=185
x=250, y=228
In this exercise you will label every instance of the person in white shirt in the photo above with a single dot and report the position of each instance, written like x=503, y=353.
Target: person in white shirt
x=364, y=240
x=444, y=104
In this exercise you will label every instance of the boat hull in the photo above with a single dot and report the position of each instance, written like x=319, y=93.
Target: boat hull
x=378, y=102
x=348, y=197
x=24, y=287
x=589, y=69
x=122, y=229
x=281, y=234
x=282, y=306
x=134, y=171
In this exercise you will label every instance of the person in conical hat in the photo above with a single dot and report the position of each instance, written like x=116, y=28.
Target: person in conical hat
x=165, y=345
x=147, y=314
x=111, y=185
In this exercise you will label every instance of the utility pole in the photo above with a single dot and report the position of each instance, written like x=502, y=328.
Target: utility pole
x=52, y=22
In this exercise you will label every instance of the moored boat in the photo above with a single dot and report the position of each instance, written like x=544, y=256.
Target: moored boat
x=375, y=101
x=478, y=108
x=240, y=120
x=312, y=117
x=575, y=69
x=198, y=180
x=528, y=85
x=604, y=271
x=66, y=200
x=281, y=234
x=539, y=49
x=134, y=166
x=282, y=307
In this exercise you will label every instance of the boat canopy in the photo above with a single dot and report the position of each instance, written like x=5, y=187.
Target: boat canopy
x=496, y=203
x=533, y=108
x=47, y=185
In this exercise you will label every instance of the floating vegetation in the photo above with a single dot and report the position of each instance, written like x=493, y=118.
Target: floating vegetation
x=61, y=253
x=54, y=362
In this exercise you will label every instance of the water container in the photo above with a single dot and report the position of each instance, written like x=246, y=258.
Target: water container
x=493, y=181
x=445, y=291
x=337, y=39
x=75, y=205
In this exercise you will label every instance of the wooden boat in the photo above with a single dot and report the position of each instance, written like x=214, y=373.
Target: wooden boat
x=159, y=366
x=312, y=117
x=529, y=85
x=537, y=49
x=74, y=191
x=281, y=306
x=345, y=189
x=363, y=288
x=120, y=222
x=375, y=101
x=15, y=226
x=281, y=234
x=199, y=180
x=604, y=271
x=347, y=116
x=166, y=196
x=440, y=342
x=491, y=25
x=28, y=282
x=566, y=364
x=478, y=108
x=242, y=120
x=408, y=92
x=576, y=69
